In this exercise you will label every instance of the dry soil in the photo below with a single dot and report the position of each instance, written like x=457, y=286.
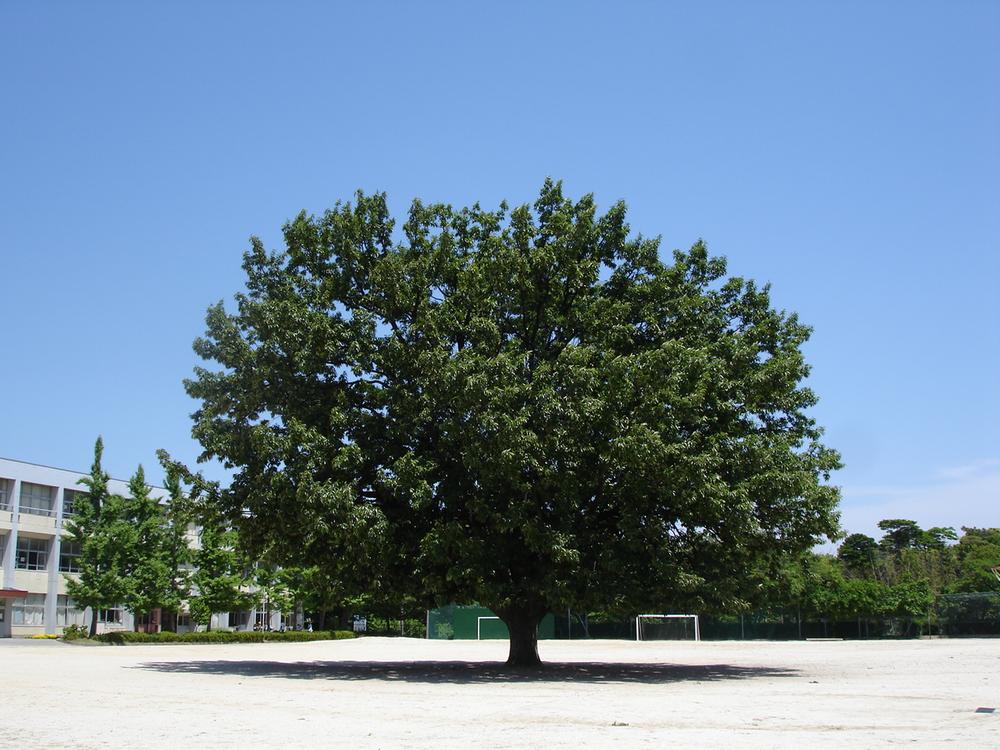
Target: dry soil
x=402, y=693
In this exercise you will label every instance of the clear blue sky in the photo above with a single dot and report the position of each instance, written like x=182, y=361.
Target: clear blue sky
x=846, y=152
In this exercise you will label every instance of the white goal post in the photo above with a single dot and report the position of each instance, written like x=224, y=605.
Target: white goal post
x=479, y=625
x=639, y=618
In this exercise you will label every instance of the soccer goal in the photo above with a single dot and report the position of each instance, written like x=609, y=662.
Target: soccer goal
x=667, y=628
x=479, y=625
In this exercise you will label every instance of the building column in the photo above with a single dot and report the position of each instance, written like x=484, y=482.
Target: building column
x=55, y=547
x=10, y=554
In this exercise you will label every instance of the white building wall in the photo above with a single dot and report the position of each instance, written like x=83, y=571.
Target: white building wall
x=16, y=522
x=50, y=583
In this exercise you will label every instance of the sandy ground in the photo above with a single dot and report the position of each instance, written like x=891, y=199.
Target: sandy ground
x=401, y=693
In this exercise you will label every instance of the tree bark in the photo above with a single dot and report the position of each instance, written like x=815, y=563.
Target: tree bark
x=522, y=623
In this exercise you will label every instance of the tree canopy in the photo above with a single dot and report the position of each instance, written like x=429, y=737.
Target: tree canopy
x=526, y=408
x=857, y=552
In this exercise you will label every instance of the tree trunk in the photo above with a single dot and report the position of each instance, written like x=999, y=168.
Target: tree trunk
x=522, y=623
x=93, y=622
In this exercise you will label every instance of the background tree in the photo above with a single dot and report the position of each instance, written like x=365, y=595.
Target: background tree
x=858, y=553
x=528, y=409
x=912, y=598
x=912, y=554
x=900, y=534
x=269, y=590
x=860, y=598
x=150, y=584
x=219, y=582
x=937, y=537
x=211, y=573
x=177, y=519
x=99, y=526
x=315, y=591
x=819, y=586
x=977, y=552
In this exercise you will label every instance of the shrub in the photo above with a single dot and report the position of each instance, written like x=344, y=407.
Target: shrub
x=74, y=632
x=125, y=637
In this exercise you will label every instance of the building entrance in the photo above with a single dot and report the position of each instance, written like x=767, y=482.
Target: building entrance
x=6, y=597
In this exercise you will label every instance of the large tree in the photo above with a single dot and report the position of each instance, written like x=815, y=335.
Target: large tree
x=527, y=408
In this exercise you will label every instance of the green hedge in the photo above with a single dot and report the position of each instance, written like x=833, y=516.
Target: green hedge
x=123, y=637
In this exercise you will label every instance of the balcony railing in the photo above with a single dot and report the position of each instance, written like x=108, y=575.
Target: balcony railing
x=50, y=512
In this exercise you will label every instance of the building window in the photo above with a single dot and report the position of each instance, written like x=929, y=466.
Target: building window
x=69, y=557
x=238, y=619
x=29, y=611
x=71, y=501
x=5, y=485
x=31, y=554
x=67, y=613
x=262, y=619
x=37, y=499
x=111, y=616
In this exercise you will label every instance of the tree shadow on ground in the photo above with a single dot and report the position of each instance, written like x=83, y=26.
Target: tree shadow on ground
x=467, y=672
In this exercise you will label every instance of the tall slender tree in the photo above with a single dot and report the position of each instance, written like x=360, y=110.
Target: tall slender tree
x=149, y=574
x=99, y=527
x=177, y=552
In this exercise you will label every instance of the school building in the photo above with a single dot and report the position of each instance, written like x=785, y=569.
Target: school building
x=35, y=503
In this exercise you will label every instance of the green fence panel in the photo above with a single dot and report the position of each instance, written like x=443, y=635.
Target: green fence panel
x=458, y=622
x=953, y=615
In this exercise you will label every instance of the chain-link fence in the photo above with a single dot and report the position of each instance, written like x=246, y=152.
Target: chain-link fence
x=974, y=614
x=969, y=614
